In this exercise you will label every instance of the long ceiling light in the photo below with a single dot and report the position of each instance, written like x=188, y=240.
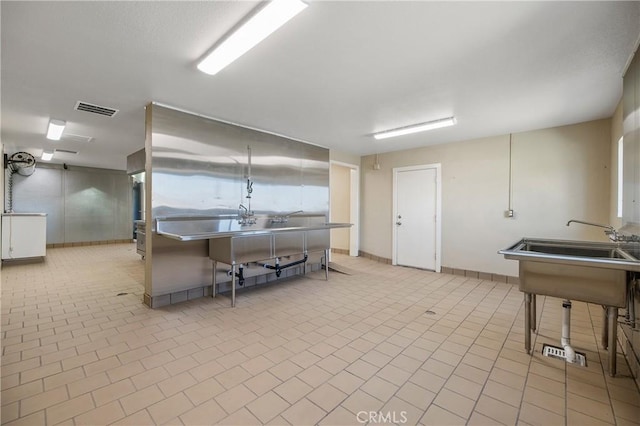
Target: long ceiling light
x=415, y=128
x=271, y=17
x=56, y=127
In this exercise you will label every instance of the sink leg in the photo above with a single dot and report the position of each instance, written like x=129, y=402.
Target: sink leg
x=214, y=279
x=233, y=285
x=527, y=322
x=605, y=328
x=533, y=312
x=326, y=265
x=613, y=338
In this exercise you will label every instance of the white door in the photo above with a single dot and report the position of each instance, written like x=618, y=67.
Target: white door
x=416, y=218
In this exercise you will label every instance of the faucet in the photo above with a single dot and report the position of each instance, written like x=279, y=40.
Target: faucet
x=246, y=217
x=284, y=218
x=609, y=230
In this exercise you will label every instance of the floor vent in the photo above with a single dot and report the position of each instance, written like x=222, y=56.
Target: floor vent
x=557, y=352
x=95, y=109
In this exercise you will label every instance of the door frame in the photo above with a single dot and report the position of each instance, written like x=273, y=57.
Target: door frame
x=354, y=205
x=438, y=221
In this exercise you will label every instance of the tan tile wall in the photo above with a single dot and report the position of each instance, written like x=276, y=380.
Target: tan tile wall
x=339, y=251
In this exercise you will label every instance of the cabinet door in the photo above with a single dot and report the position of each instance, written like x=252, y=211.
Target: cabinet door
x=24, y=236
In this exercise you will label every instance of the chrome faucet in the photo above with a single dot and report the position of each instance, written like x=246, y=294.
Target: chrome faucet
x=284, y=218
x=609, y=230
x=245, y=216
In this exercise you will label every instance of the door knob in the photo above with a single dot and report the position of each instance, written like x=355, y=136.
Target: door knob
x=398, y=223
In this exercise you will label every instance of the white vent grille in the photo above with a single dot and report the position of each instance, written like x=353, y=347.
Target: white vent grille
x=68, y=137
x=95, y=109
x=66, y=151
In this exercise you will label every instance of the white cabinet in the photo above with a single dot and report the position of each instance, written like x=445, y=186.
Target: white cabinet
x=24, y=235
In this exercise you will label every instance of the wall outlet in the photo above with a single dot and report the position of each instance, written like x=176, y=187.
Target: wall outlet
x=508, y=213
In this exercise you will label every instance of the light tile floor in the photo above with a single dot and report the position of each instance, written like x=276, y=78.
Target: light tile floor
x=382, y=345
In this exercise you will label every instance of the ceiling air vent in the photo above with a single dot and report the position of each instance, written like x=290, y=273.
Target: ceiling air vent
x=95, y=109
x=66, y=151
x=68, y=137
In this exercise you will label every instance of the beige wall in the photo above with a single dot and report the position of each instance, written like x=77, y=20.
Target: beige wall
x=558, y=174
x=340, y=189
x=344, y=157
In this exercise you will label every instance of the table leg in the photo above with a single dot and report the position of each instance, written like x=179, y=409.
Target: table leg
x=533, y=312
x=605, y=328
x=326, y=265
x=214, y=279
x=527, y=322
x=613, y=338
x=233, y=285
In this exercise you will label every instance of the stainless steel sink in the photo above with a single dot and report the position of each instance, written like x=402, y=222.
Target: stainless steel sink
x=576, y=251
x=585, y=271
x=623, y=256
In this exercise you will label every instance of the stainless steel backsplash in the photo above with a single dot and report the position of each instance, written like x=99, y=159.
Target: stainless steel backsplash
x=200, y=167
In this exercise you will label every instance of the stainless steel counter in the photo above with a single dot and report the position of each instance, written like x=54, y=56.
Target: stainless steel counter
x=204, y=235
x=25, y=214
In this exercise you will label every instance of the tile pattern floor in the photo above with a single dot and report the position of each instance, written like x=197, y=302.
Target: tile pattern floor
x=382, y=345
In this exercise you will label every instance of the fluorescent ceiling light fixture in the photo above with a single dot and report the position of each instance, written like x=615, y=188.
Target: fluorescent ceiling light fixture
x=56, y=127
x=415, y=128
x=46, y=156
x=271, y=17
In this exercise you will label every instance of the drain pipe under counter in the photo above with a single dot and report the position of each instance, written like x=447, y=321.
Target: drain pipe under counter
x=565, y=340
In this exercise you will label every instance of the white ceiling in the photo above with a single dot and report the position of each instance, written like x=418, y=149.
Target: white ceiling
x=333, y=75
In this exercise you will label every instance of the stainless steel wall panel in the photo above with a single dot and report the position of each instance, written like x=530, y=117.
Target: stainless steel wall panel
x=200, y=167
x=82, y=204
x=97, y=206
x=42, y=192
